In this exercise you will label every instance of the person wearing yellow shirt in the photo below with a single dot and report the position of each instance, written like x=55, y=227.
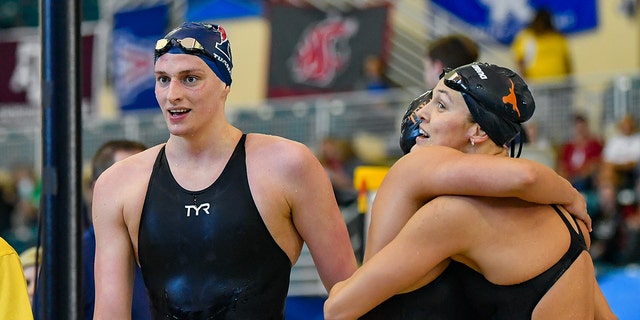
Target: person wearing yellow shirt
x=14, y=300
x=541, y=51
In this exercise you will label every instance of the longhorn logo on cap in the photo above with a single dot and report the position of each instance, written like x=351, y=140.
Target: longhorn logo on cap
x=511, y=98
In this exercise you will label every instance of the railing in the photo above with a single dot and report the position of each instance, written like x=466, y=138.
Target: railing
x=370, y=120
x=307, y=120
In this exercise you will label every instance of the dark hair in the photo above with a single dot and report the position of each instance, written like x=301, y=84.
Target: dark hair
x=579, y=118
x=453, y=50
x=542, y=22
x=104, y=157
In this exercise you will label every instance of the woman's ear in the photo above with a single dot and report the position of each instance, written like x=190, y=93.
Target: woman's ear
x=477, y=134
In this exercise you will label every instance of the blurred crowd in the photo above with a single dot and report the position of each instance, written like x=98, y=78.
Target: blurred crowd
x=606, y=169
x=19, y=206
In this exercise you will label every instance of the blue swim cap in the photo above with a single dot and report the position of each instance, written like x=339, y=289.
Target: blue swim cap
x=207, y=41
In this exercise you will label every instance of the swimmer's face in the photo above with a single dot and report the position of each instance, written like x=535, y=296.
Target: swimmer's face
x=446, y=120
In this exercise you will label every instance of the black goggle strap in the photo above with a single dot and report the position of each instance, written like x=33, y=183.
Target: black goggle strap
x=512, y=145
x=454, y=81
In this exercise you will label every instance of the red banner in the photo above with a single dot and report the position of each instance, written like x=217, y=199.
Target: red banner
x=313, y=51
x=20, y=83
x=20, y=61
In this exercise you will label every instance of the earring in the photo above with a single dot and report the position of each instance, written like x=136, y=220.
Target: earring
x=473, y=142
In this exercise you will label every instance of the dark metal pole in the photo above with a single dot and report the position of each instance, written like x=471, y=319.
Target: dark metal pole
x=61, y=173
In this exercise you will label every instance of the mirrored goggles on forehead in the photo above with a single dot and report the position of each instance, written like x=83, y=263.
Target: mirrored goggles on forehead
x=454, y=81
x=188, y=44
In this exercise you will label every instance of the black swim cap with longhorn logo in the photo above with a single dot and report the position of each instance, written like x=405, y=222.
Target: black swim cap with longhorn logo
x=498, y=98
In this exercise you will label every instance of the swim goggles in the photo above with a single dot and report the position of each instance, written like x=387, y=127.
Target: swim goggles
x=188, y=44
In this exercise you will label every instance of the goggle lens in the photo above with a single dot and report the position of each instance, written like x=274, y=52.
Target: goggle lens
x=188, y=44
x=454, y=81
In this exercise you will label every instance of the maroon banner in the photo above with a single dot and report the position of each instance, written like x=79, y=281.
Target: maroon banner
x=313, y=51
x=20, y=52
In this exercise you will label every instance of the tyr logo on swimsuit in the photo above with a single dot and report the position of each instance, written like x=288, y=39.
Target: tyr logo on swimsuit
x=196, y=208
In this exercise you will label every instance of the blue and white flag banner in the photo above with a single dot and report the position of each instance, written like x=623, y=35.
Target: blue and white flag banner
x=134, y=36
x=502, y=19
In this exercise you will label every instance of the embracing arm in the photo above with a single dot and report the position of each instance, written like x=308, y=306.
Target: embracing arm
x=430, y=171
x=602, y=309
x=448, y=171
x=114, y=262
x=404, y=264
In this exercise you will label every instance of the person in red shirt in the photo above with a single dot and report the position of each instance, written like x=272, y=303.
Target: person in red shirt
x=580, y=157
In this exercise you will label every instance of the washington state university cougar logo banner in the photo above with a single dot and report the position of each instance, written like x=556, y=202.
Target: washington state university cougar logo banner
x=316, y=52
x=322, y=52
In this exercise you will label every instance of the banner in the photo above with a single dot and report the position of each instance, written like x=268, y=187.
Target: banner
x=207, y=10
x=502, y=19
x=313, y=51
x=134, y=37
x=20, y=83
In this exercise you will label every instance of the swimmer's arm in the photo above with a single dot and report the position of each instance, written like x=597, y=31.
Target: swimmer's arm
x=114, y=256
x=429, y=237
x=602, y=309
x=540, y=184
x=445, y=170
x=454, y=172
x=317, y=217
x=430, y=171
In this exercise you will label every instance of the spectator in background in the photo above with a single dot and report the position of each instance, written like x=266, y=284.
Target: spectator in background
x=14, y=299
x=340, y=161
x=374, y=77
x=31, y=260
x=537, y=147
x=7, y=201
x=24, y=218
x=622, y=152
x=540, y=50
x=374, y=81
x=630, y=251
x=607, y=219
x=449, y=51
x=580, y=157
x=106, y=155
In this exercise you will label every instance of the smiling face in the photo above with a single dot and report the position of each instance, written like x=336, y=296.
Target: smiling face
x=190, y=95
x=446, y=120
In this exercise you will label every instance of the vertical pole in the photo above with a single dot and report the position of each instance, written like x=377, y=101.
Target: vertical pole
x=60, y=292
